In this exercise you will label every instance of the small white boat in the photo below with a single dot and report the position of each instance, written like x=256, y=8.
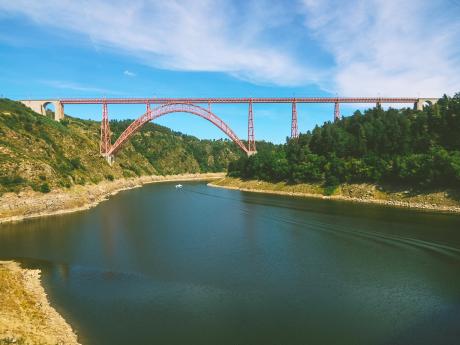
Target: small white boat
x=178, y=186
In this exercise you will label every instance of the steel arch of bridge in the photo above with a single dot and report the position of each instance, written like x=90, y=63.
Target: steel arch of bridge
x=109, y=150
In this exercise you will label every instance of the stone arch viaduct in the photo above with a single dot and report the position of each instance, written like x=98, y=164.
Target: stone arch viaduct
x=39, y=106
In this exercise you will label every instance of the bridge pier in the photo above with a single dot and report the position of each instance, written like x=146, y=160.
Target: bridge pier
x=251, y=137
x=337, y=115
x=105, y=131
x=110, y=159
x=40, y=107
x=294, y=127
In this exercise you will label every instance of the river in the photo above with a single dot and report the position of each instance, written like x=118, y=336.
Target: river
x=199, y=265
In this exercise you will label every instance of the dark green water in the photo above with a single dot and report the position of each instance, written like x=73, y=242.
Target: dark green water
x=210, y=266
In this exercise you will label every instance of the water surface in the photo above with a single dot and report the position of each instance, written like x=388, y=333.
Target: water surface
x=201, y=265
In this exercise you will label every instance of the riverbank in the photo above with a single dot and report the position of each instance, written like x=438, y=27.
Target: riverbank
x=25, y=314
x=31, y=204
x=444, y=201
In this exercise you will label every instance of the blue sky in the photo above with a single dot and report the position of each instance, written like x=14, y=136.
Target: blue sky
x=114, y=48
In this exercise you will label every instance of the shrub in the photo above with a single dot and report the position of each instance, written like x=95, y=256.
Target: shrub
x=28, y=127
x=330, y=189
x=45, y=188
x=76, y=163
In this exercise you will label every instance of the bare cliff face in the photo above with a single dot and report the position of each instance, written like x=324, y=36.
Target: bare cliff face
x=40, y=154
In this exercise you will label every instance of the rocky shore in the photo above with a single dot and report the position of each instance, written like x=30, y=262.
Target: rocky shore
x=361, y=193
x=30, y=204
x=25, y=314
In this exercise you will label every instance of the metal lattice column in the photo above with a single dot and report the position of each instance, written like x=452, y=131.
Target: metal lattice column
x=251, y=137
x=105, y=131
x=294, y=128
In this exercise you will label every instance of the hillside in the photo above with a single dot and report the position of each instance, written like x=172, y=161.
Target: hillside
x=404, y=149
x=39, y=153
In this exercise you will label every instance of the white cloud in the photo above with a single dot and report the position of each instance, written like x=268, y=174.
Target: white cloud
x=202, y=35
x=378, y=47
x=389, y=47
x=129, y=74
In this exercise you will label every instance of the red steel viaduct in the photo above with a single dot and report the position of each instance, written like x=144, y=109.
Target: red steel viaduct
x=202, y=107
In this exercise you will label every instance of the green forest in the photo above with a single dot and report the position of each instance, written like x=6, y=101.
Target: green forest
x=400, y=147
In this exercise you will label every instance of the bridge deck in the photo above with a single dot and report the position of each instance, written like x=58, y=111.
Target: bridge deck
x=241, y=100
